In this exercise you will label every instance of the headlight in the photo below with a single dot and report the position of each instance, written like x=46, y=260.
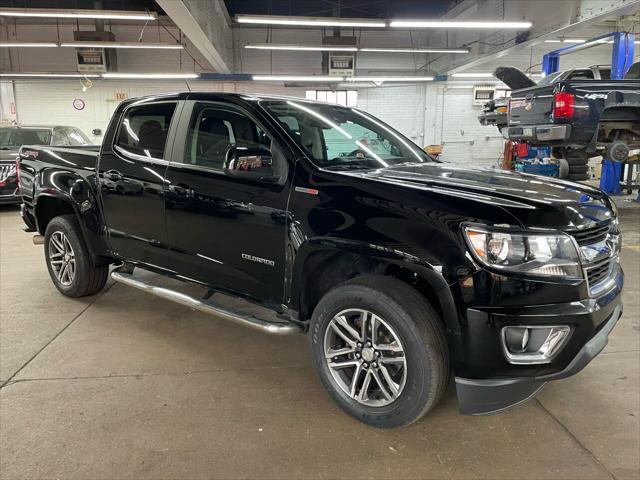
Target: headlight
x=536, y=254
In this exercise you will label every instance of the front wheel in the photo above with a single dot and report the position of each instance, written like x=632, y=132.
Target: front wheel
x=69, y=262
x=379, y=349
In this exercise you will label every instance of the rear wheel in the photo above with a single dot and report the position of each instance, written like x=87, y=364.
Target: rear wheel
x=69, y=262
x=380, y=351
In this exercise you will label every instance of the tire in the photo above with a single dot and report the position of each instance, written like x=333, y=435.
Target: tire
x=576, y=177
x=416, y=327
x=577, y=161
x=573, y=169
x=63, y=244
x=563, y=168
x=573, y=157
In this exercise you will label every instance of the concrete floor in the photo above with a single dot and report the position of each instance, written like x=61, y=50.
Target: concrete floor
x=124, y=385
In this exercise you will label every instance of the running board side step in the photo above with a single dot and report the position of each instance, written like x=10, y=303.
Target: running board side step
x=207, y=306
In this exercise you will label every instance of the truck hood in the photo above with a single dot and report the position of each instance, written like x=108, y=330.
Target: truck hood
x=513, y=78
x=534, y=201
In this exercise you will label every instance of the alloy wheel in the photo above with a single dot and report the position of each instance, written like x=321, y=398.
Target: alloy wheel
x=62, y=258
x=365, y=357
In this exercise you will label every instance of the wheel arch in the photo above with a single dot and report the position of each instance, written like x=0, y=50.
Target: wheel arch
x=322, y=264
x=51, y=205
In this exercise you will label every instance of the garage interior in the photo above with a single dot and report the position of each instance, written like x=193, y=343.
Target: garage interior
x=123, y=385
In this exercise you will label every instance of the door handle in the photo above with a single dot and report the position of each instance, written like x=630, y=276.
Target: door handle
x=113, y=175
x=182, y=190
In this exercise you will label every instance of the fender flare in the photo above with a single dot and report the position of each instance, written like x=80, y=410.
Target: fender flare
x=428, y=272
x=48, y=193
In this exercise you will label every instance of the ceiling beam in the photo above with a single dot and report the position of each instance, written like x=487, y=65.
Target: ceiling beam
x=207, y=26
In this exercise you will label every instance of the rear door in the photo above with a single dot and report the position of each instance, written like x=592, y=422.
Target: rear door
x=223, y=230
x=131, y=173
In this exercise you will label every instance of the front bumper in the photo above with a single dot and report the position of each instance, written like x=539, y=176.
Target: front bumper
x=9, y=197
x=494, y=384
x=537, y=133
x=479, y=397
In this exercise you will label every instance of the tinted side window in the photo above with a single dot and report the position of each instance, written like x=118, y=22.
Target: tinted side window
x=60, y=137
x=605, y=73
x=581, y=75
x=76, y=137
x=214, y=129
x=144, y=128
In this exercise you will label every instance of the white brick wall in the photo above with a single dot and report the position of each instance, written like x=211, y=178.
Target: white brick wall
x=429, y=114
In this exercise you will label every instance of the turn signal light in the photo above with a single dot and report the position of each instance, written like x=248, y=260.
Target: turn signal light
x=563, y=105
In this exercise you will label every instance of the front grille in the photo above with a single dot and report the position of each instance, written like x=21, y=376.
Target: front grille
x=598, y=272
x=591, y=235
x=7, y=170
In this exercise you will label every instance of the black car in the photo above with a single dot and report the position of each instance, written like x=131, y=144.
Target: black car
x=403, y=271
x=13, y=137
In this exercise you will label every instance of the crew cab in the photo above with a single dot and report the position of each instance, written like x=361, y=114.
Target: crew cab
x=13, y=137
x=401, y=270
x=578, y=115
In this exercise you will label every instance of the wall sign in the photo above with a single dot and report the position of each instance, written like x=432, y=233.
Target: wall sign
x=78, y=104
x=121, y=96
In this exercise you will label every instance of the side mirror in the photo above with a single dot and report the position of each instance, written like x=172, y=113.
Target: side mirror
x=250, y=163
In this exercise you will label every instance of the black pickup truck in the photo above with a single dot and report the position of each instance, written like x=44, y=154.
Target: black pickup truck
x=402, y=270
x=580, y=117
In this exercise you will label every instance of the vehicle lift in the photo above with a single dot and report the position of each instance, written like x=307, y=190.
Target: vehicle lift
x=621, y=61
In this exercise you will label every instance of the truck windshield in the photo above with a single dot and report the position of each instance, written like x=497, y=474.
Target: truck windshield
x=15, y=137
x=343, y=138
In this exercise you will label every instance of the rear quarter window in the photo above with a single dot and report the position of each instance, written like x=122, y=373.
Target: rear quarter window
x=144, y=128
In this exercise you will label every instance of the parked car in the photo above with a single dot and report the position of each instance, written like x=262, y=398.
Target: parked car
x=402, y=270
x=13, y=137
x=578, y=115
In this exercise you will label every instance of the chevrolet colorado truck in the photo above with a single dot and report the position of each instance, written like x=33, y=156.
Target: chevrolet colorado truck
x=577, y=114
x=401, y=270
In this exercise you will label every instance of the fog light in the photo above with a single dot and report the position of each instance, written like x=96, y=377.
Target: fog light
x=534, y=344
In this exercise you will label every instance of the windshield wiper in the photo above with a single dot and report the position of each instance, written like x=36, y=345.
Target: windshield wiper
x=346, y=166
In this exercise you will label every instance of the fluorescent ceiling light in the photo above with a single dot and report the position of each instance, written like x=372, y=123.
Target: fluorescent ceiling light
x=296, y=78
x=458, y=24
x=338, y=79
x=50, y=75
x=27, y=44
x=415, y=50
x=343, y=48
x=472, y=75
x=316, y=48
x=65, y=13
x=309, y=21
x=158, y=46
x=159, y=76
x=364, y=78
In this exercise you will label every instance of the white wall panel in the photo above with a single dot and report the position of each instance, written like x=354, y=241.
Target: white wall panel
x=434, y=114
x=51, y=102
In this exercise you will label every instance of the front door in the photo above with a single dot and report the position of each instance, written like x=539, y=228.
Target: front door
x=223, y=229
x=131, y=178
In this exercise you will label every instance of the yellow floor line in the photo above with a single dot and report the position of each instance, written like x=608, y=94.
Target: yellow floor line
x=633, y=246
